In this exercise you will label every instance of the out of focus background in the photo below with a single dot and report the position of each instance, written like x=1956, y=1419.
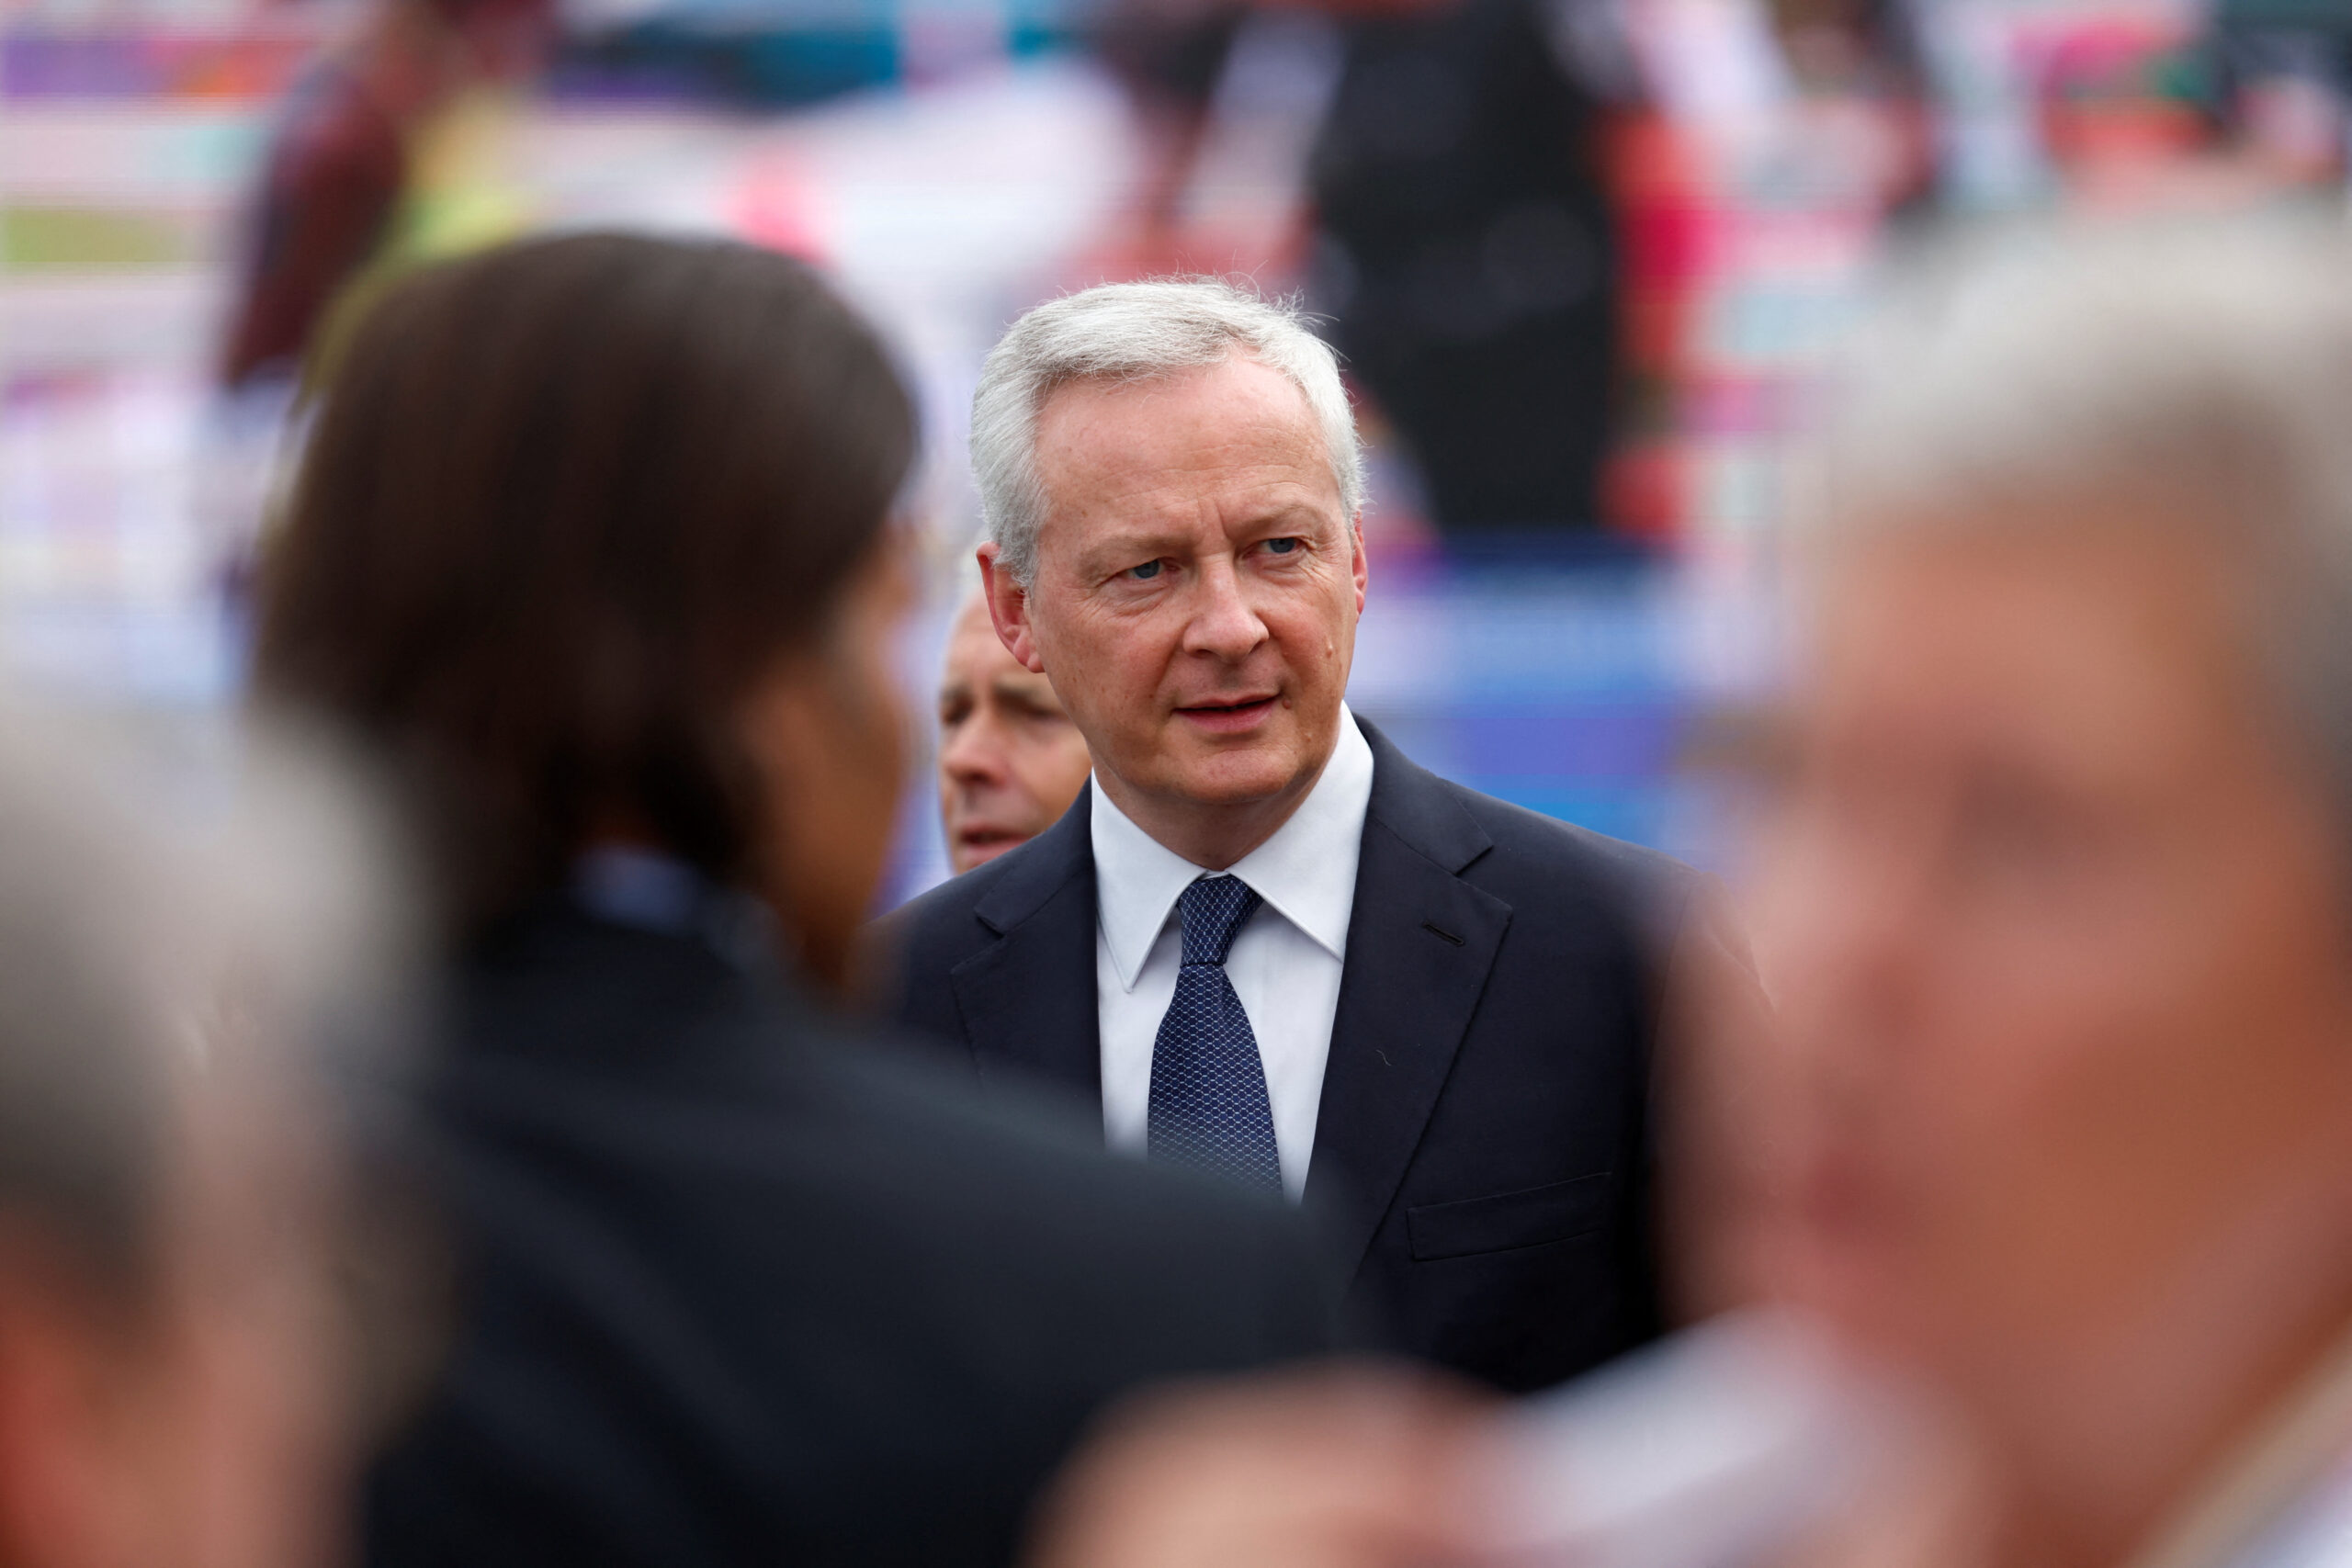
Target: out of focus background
x=1582, y=258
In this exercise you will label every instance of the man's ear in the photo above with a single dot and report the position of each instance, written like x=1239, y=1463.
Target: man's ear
x=1361, y=567
x=1009, y=610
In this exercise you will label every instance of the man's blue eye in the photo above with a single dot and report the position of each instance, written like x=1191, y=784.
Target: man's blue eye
x=1283, y=546
x=1144, y=572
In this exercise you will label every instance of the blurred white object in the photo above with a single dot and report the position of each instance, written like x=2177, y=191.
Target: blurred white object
x=1714, y=1449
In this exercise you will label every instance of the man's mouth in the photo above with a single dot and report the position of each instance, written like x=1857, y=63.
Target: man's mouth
x=1228, y=715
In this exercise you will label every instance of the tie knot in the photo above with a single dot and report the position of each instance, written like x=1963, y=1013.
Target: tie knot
x=1214, y=908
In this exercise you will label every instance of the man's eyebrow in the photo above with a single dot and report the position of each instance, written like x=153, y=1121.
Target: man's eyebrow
x=1290, y=520
x=1133, y=540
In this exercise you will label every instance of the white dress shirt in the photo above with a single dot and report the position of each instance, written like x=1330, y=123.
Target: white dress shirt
x=1285, y=966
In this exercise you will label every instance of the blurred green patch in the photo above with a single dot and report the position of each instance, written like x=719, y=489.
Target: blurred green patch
x=90, y=239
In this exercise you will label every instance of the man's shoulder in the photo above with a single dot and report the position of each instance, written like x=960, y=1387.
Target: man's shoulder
x=936, y=929
x=951, y=904
x=1565, y=848
x=968, y=906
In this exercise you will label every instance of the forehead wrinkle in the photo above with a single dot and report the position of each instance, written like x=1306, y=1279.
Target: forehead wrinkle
x=1188, y=467
x=1072, y=423
x=1261, y=488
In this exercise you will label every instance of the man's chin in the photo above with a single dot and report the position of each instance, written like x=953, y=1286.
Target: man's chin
x=1238, y=778
x=971, y=856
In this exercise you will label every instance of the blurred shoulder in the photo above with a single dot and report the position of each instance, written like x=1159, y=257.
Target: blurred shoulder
x=1022, y=1146
x=1023, y=1175
x=752, y=1120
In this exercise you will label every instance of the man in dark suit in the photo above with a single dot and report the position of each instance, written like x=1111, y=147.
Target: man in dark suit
x=1264, y=940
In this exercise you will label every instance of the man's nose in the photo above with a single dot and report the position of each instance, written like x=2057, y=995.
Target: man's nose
x=973, y=753
x=1223, y=625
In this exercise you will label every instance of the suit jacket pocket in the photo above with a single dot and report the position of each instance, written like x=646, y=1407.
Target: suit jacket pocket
x=1506, y=1220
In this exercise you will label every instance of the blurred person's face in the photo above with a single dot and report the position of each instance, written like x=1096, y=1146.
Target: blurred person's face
x=2057, y=924
x=828, y=730
x=1196, y=594
x=1010, y=759
x=206, y=1425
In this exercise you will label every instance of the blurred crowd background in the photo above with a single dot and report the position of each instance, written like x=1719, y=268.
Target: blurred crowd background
x=1582, y=257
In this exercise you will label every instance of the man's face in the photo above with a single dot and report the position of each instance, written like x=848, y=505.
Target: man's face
x=1197, y=586
x=2056, y=923
x=1009, y=760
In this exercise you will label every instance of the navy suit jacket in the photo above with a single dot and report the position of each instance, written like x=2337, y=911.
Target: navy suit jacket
x=1483, y=1149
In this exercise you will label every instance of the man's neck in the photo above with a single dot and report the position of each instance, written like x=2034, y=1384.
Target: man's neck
x=1212, y=835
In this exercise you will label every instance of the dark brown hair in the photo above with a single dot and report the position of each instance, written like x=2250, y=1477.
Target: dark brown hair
x=564, y=504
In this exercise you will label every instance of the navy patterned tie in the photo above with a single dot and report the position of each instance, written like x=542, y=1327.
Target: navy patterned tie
x=1209, y=1108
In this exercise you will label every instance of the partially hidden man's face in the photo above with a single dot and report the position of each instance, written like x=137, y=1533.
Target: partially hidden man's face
x=2057, y=919
x=1197, y=584
x=1010, y=759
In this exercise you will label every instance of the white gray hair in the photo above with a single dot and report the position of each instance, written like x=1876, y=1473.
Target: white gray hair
x=2198, y=378
x=1135, y=332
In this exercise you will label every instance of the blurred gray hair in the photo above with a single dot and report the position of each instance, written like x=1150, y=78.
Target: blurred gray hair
x=177, y=916
x=1136, y=331
x=2178, y=377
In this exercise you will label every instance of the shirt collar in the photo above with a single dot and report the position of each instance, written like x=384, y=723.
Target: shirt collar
x=1307, y=869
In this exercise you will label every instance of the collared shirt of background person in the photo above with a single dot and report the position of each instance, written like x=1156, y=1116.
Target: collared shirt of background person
x=2054, y=892
x=1009, y=760
x=1449, y=1004
x=610, y=588
x=177, y=1361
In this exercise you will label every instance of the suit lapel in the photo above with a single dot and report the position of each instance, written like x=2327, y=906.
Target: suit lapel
x=1420, y=943
x=1028, y=998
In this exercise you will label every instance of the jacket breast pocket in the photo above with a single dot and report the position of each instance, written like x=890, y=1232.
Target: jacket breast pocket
x=1508, y=1220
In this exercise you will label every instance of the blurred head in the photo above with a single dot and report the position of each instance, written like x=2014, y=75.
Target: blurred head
x=1010, y=759
x=1171, y=483
x=173, y=1387
x=2058, y=910
x=590, y=539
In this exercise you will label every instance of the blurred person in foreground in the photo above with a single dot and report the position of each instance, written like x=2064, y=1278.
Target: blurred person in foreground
x=2058, y=889
x=178, y=1381
x=1009, y=760
x=2056, y=902
x=1265, y=943
x=592, y=547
